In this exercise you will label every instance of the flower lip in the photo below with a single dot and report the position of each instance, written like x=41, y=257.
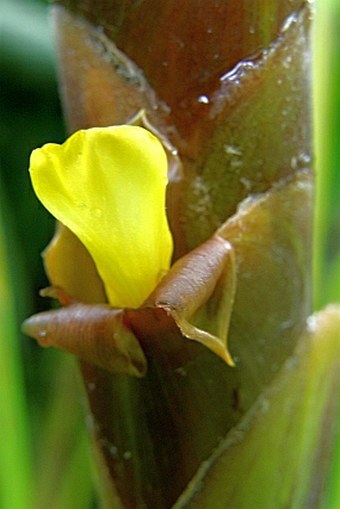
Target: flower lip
x=108, y=185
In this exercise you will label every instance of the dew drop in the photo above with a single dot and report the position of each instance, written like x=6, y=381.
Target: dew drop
x=287, y=61
x=181, y=371
x=113, y=450
x=232, y=150
x=203, y=99
x=312, y=323
x=300, y=161
x=247, y=183
x=236, y=163
x=265, y=405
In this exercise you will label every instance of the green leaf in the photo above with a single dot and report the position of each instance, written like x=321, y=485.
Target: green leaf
x=279, y=455
x=15, y=454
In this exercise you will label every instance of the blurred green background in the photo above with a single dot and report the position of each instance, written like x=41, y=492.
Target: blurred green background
x=44, y=455
x=44, y=459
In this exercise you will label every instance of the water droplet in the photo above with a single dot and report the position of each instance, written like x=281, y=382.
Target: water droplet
x=181, y=371
x=287, y=61
x=288, y=324
x=292, y=363
x=173, y=151
x=292, y=19
x=246, y=182
x=300, y=161
x=241, y=69
x=265, y=405
x=203, y=99
x=232, y=150
x=236, y=163
x=305, y=158
x=113, y=450
x=312, y=323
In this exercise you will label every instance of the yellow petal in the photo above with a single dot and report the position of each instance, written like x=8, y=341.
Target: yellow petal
x=69, y=266
x=107, y=185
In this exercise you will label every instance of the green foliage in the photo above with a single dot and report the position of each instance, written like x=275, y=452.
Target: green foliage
x=253, y=466
x=327, y=218
x=327, y=151
x=44, y=459
x=15, y=468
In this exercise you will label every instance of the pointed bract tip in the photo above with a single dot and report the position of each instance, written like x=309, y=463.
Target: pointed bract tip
x=36, y=327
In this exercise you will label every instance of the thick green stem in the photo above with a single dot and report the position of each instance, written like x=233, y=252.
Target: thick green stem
x=226, y=84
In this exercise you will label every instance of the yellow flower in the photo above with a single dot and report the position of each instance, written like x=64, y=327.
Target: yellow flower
x=107, y=185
